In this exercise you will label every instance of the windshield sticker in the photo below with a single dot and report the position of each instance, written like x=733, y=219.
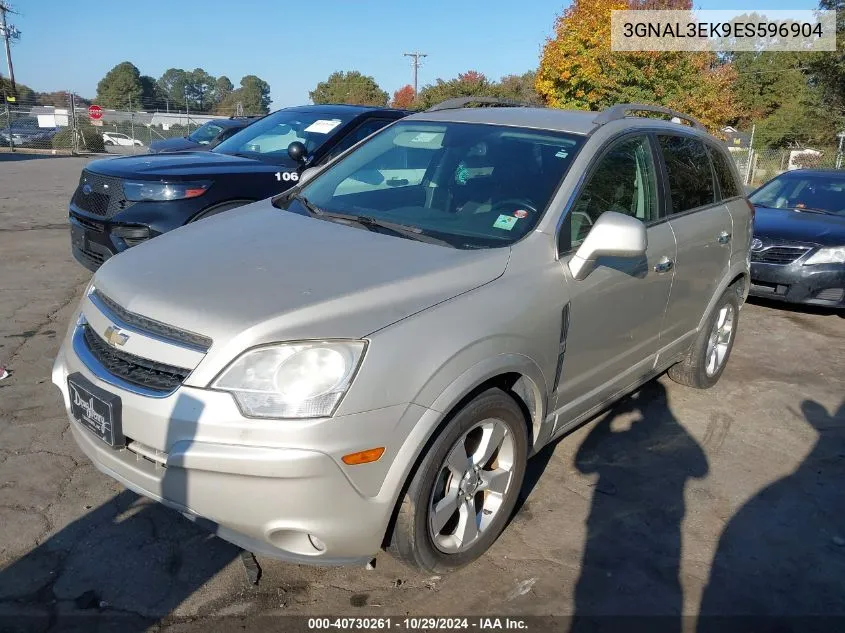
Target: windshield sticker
x=562, y=154
x=505, y=222
x=323, y=126
x=424, y=137
x=520, y=213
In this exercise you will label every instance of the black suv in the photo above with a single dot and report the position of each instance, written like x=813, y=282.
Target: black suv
x=207, y=136
x=121, y=202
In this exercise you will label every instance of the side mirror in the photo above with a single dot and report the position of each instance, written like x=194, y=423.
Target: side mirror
x=613, y=235
x=297, y=152
x=307, y=175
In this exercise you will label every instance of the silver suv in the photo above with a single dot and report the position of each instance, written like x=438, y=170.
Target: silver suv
x=369, y=359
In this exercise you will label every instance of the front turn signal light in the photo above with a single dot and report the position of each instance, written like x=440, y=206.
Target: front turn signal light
x=363, y=457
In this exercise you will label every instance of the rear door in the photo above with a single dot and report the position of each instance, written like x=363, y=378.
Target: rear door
x=703, y=230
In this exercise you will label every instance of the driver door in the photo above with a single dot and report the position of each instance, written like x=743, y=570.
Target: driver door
x=615, y=314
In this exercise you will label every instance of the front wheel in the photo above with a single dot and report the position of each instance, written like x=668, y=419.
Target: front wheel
x=708, y=356
x=465, y=488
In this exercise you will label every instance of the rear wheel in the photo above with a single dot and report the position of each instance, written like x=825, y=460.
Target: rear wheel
x=465, y=488
x=708, y=356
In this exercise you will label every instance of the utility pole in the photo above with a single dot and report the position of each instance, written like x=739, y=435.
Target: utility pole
x=8, y=32
x=416, y=64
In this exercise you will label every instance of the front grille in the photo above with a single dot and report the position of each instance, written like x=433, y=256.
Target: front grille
x=152, y=326
x=104, y=195
x=90, y=256
x=778, y=254
x=88, y=224
x=134, y=369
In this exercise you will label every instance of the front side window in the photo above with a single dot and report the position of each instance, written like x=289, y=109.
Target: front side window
x=270, y=137
x=358, y=134
x=470, y=185
x=205, y=133
x=689, y=172
x=624, y=180
x=805, y=192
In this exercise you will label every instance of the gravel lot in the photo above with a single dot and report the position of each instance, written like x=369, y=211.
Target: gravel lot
x=675, y=502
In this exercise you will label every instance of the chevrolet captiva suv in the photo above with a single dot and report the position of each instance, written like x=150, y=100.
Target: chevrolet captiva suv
x=369, y=359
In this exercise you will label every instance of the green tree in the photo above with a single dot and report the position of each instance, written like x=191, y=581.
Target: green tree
x=173, y=84
x=469, y=84
x=253, y=96
x=223, y=88
x=518, y=88
x=579, y=70
x=349, y=87
x=120, y=87
x=152, y=96
x=827, y=69
x=201, y=88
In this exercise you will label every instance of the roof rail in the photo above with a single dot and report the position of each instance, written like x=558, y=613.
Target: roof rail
x=461, y=102
x=621, y=110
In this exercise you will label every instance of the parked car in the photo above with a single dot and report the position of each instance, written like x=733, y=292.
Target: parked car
x=25, y=132
x=798, y=251
x=121, y=202
x=124, y=140
x=371, y=357
x=207, y=136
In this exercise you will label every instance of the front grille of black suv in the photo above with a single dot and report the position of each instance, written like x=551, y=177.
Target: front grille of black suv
x=134, y=369
x=100, y=195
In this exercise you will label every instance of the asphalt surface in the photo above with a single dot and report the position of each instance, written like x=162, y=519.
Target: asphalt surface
x=676, y=502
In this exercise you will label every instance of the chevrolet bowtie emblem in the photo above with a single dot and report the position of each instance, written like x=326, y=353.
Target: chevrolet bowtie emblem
x=115, y=337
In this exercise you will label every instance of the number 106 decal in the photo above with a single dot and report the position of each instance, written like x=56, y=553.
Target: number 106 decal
x=287, y=176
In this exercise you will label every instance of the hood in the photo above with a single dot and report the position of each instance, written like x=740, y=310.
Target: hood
x=179, y=144
x=798, y=226
x=183, y=165
x=258, y=274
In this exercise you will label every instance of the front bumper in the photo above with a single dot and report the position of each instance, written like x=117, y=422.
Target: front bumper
x=248, y=480
x=820, y=285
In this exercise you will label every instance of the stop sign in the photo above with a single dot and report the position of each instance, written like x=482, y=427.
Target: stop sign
x=95, y=112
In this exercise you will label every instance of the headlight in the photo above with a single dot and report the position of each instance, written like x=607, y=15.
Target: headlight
x=831, y=255
x=292, y=380
x=137, y=190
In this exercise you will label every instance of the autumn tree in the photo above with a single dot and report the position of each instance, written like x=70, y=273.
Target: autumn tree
x=578, y=69
x=518, y=88
x=403, y=98
x=349, y=87
x=827, y=69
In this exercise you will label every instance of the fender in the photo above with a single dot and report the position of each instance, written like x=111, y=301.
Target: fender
x=532, y=386
x=737, y=269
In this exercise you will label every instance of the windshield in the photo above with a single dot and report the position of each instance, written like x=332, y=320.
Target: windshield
x=270, y=136
x=819, y=192
x=205, y=133
x=474, y=186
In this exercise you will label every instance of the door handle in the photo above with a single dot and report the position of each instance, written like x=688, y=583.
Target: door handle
x=664, y=265
x=724, y=237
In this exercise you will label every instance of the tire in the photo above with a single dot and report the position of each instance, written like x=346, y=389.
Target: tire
x=413, y=540
x=109, y=143
x=219, y=208
x=697, y=369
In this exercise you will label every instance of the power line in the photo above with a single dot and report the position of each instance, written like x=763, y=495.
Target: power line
x=416, y=64
x=8, y=32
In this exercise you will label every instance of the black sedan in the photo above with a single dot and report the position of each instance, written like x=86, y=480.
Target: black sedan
x=122, y=202
x=798, y=249
x=207, y=136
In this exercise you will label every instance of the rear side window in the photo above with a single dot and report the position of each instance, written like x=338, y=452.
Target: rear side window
x=689, y=172
x=724, y=173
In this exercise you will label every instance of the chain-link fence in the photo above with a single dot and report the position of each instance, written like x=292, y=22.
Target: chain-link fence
x=757, y=166
x=62, y=123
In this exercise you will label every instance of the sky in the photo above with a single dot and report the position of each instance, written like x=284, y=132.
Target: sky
x=291, y=45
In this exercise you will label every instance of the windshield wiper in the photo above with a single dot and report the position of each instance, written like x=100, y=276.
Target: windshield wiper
x=373, y=224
